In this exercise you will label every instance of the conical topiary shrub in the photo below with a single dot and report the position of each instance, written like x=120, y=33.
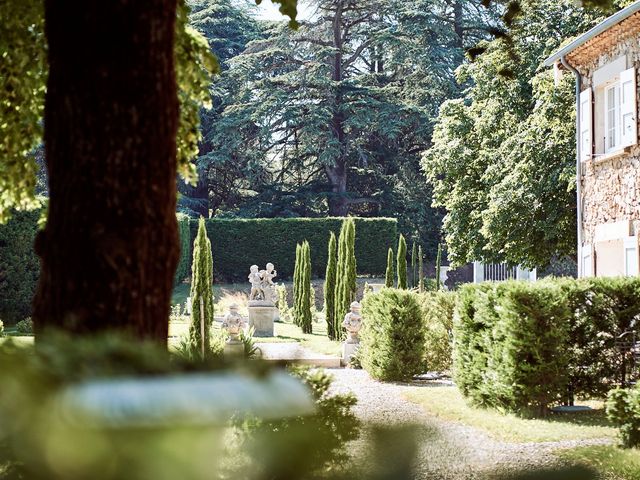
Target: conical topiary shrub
x=306, y=318
x=346, y=273
x=402, y=263
x=201, y=293
x=389, y=277
x=330, y=287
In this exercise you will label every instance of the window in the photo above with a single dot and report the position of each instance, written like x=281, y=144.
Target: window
x=612, y=119
x=608, y=111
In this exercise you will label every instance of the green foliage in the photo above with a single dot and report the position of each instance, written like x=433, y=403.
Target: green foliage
x=603, y=309
x=509, y=345
x=438, y=261
x=623, y=409
x=346, y=273
x=502, y=163
x=414, y=266
x=195, y=64
x=184, y=263
x=251, y=350
x=402, y=263
x=278, y=237
x=420, y=269
x=19, y=265
x=1, y=329
x=23, y=75
x=330, y=287
x=283, y=304
x=297, y=92
x=201, y=291
x=389, y=280
x=298, y=274
x=392, y=338
x=438, y=312
x=520, y=345
x=303, y=316
x=25, y=327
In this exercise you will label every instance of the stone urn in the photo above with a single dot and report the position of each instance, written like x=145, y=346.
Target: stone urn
x=233, y=324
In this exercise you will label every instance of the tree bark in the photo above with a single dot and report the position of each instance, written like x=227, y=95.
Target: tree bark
x=337, y=172
x=110, y=246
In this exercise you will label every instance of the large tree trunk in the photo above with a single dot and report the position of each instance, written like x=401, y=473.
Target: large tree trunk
x=110, y=246
x=337, y=173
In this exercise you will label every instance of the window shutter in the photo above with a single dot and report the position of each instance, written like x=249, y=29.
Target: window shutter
x=631, y=256
x=586, y=265
x=628, y=107
x=586, y=137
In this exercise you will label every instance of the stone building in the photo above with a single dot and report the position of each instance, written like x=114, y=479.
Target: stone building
x=605, y=61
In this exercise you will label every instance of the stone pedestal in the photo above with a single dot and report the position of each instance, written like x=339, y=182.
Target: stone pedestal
x=261, y=317
x=233, y=349
x=348, y=349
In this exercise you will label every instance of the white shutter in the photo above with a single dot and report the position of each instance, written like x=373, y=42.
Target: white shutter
x=586, y=264
x=585, y=125
x=628, y=108
x=631, y=256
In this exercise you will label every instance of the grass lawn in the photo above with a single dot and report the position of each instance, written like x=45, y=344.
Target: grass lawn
x=18, y=338
x=447, y=403
x=284, y=333
x=612, y=463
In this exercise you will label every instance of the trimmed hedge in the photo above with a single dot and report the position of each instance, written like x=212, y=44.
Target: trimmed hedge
x=240, y=243
x=437, y=313
x=392, y=337
x=521, y=346
x=184, y=263
x=509, y=342
x=19, y=265
x=623, y=409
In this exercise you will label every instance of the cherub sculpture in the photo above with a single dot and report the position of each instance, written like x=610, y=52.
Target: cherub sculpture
x=353, y=323
x=255, y=278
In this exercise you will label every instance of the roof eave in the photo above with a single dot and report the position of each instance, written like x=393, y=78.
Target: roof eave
x=594, y=32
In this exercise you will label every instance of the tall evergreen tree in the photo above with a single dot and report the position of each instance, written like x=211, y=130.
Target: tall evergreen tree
x=201, y=291
x=389, y=277
x=414, y=266
x=402, y=263
x=420, y=269
x=330, y=286
x=306, y=317
x=297, y=285
x=438, y=261
x=346, y=272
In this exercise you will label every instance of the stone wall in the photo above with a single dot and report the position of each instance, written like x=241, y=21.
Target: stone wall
x=610, y=187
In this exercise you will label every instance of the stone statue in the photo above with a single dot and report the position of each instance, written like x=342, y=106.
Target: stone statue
x=233, y=323
x=256, y=283
x=268, y=286
x=353, y=323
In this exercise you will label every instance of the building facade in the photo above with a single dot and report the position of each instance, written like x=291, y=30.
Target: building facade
x=606, y=61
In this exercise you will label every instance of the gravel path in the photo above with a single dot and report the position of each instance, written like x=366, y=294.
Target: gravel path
x=447, y=450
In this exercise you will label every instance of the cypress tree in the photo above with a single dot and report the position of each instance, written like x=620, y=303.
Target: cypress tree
x=414, y=266
x=297, y=284
x=438, y=260
x=402, y=263
x=389, y=279
x=201, y=290
x=330, y=287
x=346, y=273
x=420, y=269
x=306, y=315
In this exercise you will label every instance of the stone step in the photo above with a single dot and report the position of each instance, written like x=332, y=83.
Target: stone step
x=294, y=353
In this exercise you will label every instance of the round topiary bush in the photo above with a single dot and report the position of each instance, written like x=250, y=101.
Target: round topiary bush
x=25, y=327
x=392, y=338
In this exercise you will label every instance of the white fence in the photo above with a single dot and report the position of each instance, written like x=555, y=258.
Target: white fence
x=499, y=272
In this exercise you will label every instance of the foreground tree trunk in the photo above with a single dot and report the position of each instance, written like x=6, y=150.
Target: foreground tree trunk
x=110, y=247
